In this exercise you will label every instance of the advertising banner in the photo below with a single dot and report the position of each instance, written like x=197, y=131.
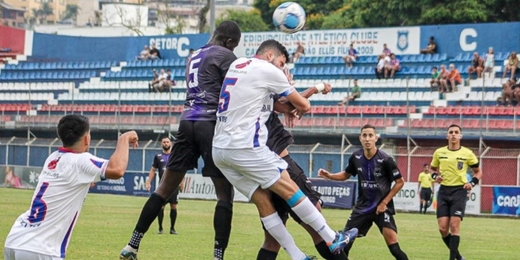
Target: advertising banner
x=336, y=194
x=408, y=199
x=506, y=200
x=402, y=40
x=129, y=184
x=198, y=187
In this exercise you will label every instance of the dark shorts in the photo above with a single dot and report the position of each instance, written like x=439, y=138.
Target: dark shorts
x=298, y=176
x=451, y=201
x=193, y=140
x=363, y=222
x=174, y=199
x=426, y=194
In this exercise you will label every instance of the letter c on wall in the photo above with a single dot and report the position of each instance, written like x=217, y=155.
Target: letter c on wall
x=465, y=43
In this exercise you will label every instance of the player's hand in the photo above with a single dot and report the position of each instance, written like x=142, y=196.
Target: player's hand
x=132, y=138
x=381, y=208
x=439, y=178
x=328, y=88
x=468, y=186
x=288, y=75
x=289, y=118
x=147, y=185
x=324, y=174
x=181, y=186
x=92, y=184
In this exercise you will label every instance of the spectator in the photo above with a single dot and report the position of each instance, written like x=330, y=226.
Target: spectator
x=382, y=61
x=189, y=55
x=489, y=61
x=145, y=54
x=452, y=80
x=350, y=58
x=431, y=48
x=508, y=92
x=510, y=65
x=386, y=50
x=157, y=82
x=355, y=93
x=443, y=77
x=154, y=53
x=435, y=81
x=11, y=179
x=516, y=91
x=300, y=50
x=169, y=82
x=393, y=66
x=477, y=65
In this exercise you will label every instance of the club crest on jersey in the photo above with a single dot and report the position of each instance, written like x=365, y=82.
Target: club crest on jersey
x=53, y=163
x=97, y=163
x=460, y=165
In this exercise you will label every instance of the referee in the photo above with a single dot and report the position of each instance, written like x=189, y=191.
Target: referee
x=426, y=188
x=449, y=165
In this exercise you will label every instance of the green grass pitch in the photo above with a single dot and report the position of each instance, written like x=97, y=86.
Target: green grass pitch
x=106, y=223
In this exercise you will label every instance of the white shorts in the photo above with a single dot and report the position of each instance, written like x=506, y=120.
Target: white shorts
x=248, y=169
x=489, y=64
x=16, y=254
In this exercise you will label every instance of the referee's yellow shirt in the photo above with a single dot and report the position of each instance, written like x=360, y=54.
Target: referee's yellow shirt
x=453, y=165
x=426, y=180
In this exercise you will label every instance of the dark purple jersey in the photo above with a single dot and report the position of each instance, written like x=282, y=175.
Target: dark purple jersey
x=159, y=162
x=205, y=73
x=375, y=177
x=278, y=138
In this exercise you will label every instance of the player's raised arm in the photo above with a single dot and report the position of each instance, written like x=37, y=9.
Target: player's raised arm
x=119, y=160
x=340, y=176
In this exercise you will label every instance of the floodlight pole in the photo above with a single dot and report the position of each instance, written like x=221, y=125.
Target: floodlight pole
x=211, y=16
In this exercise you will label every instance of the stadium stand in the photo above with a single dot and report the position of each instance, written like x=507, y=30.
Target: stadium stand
x=117, y=93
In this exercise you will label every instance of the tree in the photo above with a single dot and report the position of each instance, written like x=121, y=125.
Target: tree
x=71, y=12
x=202, y=17
x=248, y=21
x=129, y=20
x=45, y=11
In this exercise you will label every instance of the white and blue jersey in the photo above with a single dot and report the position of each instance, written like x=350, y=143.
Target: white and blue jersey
x=246, y=101
x=45, y=228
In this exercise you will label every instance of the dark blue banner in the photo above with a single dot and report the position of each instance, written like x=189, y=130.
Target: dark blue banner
x=336, y=194
x=506, y=200
x=129, y=184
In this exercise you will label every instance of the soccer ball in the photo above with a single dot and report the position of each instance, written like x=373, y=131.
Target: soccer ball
x=289, y=17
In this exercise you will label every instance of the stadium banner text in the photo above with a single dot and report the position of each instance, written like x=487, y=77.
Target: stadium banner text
x=408, y=199
x=506, y=200
x=401, y=40
x=336, y=194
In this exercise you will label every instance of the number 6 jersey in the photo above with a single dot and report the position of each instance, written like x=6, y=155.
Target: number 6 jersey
x=57, y=201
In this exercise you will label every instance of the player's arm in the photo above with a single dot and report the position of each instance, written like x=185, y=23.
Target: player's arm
x=419, y=183
x=181, y=185
x=393, y=171
x=477, y=173
x=301, y=104
x=119, y=160
x=151, y=176
x=283, y=106
x=434, y=166
x=340, y=176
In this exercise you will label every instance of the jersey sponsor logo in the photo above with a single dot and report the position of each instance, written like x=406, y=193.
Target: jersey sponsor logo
x=52, y=164
x=97, y=163
x=460, y=165
x=360, y=169
x=243, y=65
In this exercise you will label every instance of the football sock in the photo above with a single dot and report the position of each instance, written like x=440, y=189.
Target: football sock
x=148, y=214
x=312, y=217
x=324, y=251
x=397, y=252
x=265, y=254
x=173, y=218
x=454, y=247
x=160, y=218
x=222, y=225
x=447, y=241
x=274, y=225
x=420, y=207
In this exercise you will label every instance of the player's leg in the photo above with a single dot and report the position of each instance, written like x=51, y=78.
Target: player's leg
x=224, y=190
x=458, y=207
x=427, y=199
x=362, y=222
x=173, y=200
x=386, y=224
x=271, y=247
x=421, y=201
x=160, y=218
x=183, y=157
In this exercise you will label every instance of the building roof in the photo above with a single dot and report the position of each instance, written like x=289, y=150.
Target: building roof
x=10, y=7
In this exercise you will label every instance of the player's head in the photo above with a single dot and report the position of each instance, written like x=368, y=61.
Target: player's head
x=227, y=34
x=368, y=137
x=426, y=167
x=166, y=143
x=454, y=134
x=274, y=52
x=74, y=132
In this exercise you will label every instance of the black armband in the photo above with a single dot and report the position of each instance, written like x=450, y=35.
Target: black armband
x=434, y=175
x=474, y=181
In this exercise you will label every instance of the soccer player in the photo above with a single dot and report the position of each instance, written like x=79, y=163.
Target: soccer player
x=43, y=232
x=426, y=188
x=278, y=140
x=240, y=151
x=205, y=74
x=376, y=172
x=159, y=163
x=449, y=165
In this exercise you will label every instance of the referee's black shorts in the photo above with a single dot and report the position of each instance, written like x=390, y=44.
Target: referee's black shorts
x=426, y=194
x=451, y=201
